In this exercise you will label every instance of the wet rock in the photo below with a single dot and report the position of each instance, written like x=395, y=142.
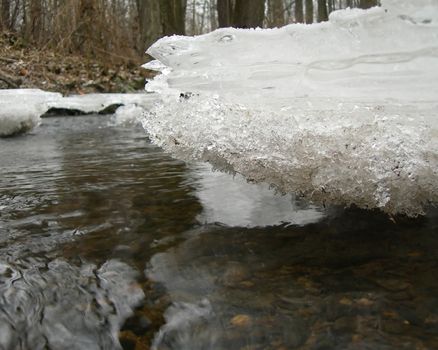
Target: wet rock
x=432, y=319
x=365, y=302
x=127, y=340
x=52, y=112
x=334, y=309
x=391, y=314
x=306, y=312
x=295, y=332
x=414, y=254
x=394, y=326
x=344, y=325
x=234, y=275
x=410, y=316
x=356, y=338
x=138, y=324
x=346, y=301
x=431, y=324
x=393, y=285
x=111, y=109
x=325, y=344
x=282, y=348
x=246, y=284
x=305, y=282
x=400, y=296
x=241, y=320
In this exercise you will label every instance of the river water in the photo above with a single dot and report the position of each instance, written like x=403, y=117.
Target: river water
x=107, y=242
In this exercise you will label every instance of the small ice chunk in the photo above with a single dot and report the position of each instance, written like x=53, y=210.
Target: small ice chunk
x=20, y=109
x=128, y=115
x=154, y=65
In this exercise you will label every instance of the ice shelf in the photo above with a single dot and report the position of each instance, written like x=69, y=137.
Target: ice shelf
x=21, y=109
x=342, y=112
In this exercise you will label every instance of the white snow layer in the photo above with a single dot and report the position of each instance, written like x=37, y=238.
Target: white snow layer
x=342, y=112
x=20, y=109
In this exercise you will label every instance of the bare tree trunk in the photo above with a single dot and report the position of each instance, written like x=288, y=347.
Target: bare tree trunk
x=149, y=22
x=213, y=20
x=322, y=11
x=249, y=13
x=193, y=26
x=366, y=4
x=225, y=13
x=15, y=14
x=330, y=6
x=204, y=12
x=24, y=27
x=173, y=16
x=276, y=13
x=309, y=11
x=5, y=15
x=299, y=14
x=35, y=14
x=86, y=33
x=158, y=18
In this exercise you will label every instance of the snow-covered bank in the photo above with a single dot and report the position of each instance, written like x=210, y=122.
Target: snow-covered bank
x=21, y=109
x=342, y=112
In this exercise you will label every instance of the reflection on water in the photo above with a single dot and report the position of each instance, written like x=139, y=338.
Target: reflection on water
x=57, y=305
x=79, y=200
x=103, y=236
x=353, y=281
x=232, y=201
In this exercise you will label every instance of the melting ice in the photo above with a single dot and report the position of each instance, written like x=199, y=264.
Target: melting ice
x=342, y=112
x=20, y=109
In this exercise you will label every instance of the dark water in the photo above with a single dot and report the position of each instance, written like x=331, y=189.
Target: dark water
x=105, y=241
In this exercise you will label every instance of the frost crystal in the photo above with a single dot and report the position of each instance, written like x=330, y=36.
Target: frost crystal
x=342, y=112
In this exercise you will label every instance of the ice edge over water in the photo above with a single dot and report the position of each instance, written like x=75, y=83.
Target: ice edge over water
x=343, y=112
x=21, y=109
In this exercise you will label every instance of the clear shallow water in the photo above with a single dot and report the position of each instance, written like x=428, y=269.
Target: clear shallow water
x=103, y=237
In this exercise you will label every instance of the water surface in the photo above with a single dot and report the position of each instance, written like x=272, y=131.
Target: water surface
x=108, y=242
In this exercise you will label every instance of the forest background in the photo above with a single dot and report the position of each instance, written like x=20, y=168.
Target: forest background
x=80, y=46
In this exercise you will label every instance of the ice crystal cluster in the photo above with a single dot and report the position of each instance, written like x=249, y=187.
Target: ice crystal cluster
x=343, y=112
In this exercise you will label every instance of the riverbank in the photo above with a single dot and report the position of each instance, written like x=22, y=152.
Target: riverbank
x=25, y=67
